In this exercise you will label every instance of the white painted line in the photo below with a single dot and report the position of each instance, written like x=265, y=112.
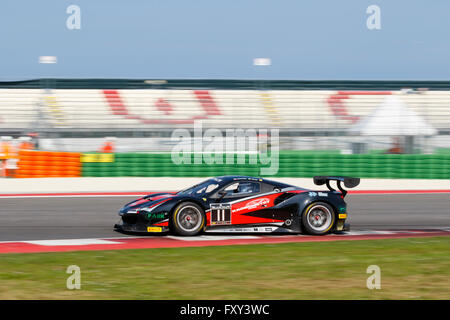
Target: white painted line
x=118, y=240
x=109, y=238
x=71, y=242
x=369, y=232
x=211, y=238
x=384, y=232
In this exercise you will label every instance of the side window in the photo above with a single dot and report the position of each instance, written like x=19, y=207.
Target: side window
x=207, y=189
x=242, y=188
x=248, y=187
x=231, y=189
x=265, y=187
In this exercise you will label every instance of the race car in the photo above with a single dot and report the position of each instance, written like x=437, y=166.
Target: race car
x=241, y=204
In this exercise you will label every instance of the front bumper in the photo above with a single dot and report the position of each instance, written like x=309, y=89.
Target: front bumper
x=142, y=222
x=140, y=228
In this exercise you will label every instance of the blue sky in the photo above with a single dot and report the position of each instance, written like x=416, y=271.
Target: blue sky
x=306, y=40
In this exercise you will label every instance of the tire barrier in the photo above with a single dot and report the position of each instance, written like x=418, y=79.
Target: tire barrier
x=46, y=164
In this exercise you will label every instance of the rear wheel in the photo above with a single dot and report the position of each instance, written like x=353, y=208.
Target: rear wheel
x=318, y=218
x=188, y=219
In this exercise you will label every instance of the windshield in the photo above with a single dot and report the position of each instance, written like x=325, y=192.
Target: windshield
x=201, y=188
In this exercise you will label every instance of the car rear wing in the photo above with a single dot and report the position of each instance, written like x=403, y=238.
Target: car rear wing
x=348, y=182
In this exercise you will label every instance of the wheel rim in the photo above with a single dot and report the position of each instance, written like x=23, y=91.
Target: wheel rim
x=189, y=218
x=319, y=218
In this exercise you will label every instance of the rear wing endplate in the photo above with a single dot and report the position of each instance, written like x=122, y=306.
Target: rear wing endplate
x=348, y=182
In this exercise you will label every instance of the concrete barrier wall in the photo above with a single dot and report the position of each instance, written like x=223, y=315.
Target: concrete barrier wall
x=291, y=164
x=86, y=185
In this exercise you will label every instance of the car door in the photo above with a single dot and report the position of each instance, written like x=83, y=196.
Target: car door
x=238, y=203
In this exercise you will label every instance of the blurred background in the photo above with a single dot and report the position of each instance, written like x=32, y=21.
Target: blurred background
x=124, y=127
x=97, y=89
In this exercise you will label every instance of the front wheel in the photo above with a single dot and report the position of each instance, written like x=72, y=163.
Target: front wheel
x=188, y=219
x=318, y=218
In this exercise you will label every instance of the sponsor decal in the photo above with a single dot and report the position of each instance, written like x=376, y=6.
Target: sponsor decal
x=154, y=229
x=342, y=216
x=97, y=157
x=254, y=204
x=153, y=216
x=220, y=213
x=320, y=194
x=249, y=230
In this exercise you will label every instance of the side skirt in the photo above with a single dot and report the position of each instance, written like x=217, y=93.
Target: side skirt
x=250, y=229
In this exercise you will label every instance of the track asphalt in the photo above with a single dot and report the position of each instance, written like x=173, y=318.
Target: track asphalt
x=42, y=218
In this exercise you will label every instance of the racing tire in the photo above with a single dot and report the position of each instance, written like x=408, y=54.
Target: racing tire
x=318, y=218
x=188, y=219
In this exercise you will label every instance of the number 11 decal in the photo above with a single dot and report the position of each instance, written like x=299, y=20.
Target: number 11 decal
x=220, y=213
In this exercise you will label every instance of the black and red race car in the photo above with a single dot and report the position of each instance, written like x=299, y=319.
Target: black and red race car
x=241, y=204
